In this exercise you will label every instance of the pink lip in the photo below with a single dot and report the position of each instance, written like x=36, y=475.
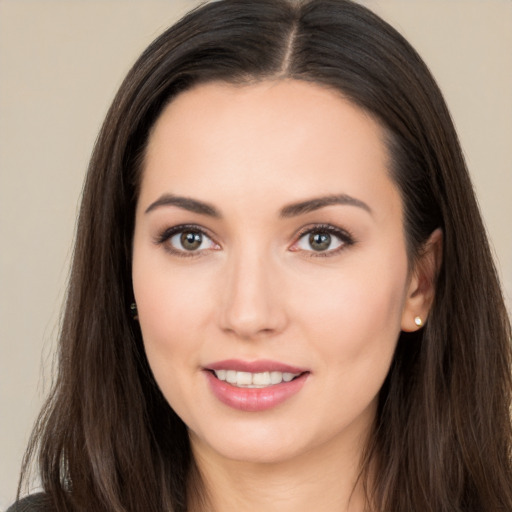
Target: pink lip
x=261, y=365
x=254, y=399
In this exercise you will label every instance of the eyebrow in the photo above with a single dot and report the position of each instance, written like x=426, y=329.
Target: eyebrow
x=187, y=203
x=295, y=209
x=291, y=210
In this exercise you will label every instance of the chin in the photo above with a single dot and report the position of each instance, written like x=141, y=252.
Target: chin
x=256, y=444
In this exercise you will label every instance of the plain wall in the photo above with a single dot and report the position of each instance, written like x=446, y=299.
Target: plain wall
x=60, y=65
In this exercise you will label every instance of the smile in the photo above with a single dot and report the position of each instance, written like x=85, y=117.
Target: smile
x=254, y=380
x=254, y=386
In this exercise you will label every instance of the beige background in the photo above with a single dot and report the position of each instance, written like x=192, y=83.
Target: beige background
x=60, y=64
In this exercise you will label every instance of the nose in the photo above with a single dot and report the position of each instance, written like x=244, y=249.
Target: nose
x=252, y=305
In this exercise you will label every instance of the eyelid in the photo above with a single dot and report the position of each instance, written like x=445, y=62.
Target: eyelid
x=168, y=233
x=343, y=235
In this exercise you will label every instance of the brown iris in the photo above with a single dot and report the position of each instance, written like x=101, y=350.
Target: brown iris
x=320, y=241
x=191, y=240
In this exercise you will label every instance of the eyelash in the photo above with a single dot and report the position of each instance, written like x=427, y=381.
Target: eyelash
x=346, y=238
x=167, y=234
x=343, y=235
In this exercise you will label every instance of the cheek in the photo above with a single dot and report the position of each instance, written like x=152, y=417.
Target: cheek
x=171, y=313
x=370, y=294
x=354, y=325
x=356, y=312
x=173, y=306
x=172, y=310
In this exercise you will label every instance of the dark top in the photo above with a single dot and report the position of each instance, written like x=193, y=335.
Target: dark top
x=32, y=503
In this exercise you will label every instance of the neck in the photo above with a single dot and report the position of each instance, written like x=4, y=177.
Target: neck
x=323, y=479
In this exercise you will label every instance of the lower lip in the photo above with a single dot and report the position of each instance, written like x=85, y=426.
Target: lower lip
x=254, y=399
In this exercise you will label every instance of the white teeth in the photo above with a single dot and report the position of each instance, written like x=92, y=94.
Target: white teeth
x=221, y=374
x=243, y=378
x=276, y=377
x=254, y=380
x=261, y=379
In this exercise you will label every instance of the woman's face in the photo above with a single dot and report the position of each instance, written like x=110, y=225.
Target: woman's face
x=269, y=267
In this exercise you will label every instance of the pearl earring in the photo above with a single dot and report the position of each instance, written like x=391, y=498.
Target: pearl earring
x=418, y=321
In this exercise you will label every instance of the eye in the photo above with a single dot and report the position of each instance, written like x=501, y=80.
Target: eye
x=319, y=241
x=323, y=239
x=189, y=241
x=181, y=240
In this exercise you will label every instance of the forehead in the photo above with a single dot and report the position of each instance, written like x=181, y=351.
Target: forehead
x=300, y=138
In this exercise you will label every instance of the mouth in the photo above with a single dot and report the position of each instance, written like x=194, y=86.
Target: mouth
x=259, y=380
x=254, y=386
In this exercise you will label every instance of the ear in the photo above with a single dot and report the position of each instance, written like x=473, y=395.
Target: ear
x=421, y=289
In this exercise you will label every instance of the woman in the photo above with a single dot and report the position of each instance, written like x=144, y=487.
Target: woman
x=282, y=296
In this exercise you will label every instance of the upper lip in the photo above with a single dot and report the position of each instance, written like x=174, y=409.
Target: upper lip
x=258, y=366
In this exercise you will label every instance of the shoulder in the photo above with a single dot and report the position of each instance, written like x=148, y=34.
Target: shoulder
x=33, y=503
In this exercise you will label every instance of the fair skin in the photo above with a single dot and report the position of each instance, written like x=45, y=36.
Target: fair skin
x=251, y=280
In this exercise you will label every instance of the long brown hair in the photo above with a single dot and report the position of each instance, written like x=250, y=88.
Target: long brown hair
x=107, y=440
